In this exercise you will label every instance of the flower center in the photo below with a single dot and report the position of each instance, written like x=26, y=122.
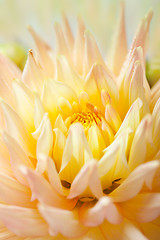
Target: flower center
x=86, y=118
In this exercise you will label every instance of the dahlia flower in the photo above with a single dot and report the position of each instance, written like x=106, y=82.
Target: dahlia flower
x=80, y=142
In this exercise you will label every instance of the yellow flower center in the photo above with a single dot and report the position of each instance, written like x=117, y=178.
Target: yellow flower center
x=86, y=118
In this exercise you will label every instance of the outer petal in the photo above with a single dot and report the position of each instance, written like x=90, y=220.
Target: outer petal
x=43, y=191
x=124, y=231
x=92, y=216
x=23, y=221
x=145, y=207
x=57, y=219
x=134, y=182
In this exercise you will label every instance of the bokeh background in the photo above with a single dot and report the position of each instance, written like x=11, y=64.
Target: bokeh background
x=100, y=16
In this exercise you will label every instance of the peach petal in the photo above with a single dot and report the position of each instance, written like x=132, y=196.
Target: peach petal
x=43, y=51
x=151, y=230
x=92, y=216
x=68, y=33
x=145, y=207
x=120, y=44
x=57, y=219
x=33, y=75
x=155, y=94
x=87, y=177
x=17, y=157
x=126, y=230
x=38, y=111
x=14, y=193
x=5, y=165
x=134, y=182
x=17, y=129
x=44, y=192
x=23, y=221
x=156, y=124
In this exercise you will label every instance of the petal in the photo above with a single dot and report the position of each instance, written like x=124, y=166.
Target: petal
x=126, y=230
x=145, y=207
x=23, y=222
x=43, y=51
x=33, y=75
x=134, y=182
x=14, y=193
x=151, y=230
x=156, y=124
x=68, y=33
x=57, y=219
x=120, y=43
x=43, y=191
x=38, y=111
x=17, y=157
x=5, y=166
x=92, y=216
x=17, y=130
x=87, y=177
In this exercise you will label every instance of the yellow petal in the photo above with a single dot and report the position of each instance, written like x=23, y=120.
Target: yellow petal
x=38, y=111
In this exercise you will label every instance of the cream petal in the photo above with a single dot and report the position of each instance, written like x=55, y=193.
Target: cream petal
x=120, y=43
x=92, y=216
x=17, y=130
x=134, y=182
x=87, y=177
x=79, y=47
x=57, y=219
x=17, y=157
x=44, y=144
x=75, y=154
x=112, y=117
x=23, y=221
x=141, y=140
x=156, y=180
x=125, y=231
x=24, y=104
x=136, y=89
x=38, y=111
x=59, y=124
x=53, y=176
x=64, y=107
x=43, y=51
x=145, y=207
x=44, y=192
x=156, y=124
x=66, y=74
x=59, y=145
x=68, y=33
x=155, y=94
x=33, y=75
x=14, y=193
x=9, y=71
x=5, y=166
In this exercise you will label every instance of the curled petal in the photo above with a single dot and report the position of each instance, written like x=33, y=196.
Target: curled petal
x=57, y=219
x=134, y=182
x=23, y=222
x=92, y=216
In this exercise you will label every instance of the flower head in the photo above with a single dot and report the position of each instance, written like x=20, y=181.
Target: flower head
x=80, y=141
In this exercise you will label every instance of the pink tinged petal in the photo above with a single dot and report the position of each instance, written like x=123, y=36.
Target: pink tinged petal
x=137, y=89
x=104, y=209
x=62, y=221
x=9, y=71
x=79, y=47
x=17, y=157
x=38, y=111
x=44, y=53
x=44, y=192
x=23, y=222
x=141, y=142
x=33, y=75
x=120, y=43
x=87, y=177
x=59, y=146
x=144, y=207
x=5, y=166
x=5, y=234
x=132, y=118
x=24, y=104
x=16, y=128
x=155, y=94
x=156, y=180
x=126, y=230
x=96, y=141
x=14, y=193
x=66, y=74
x=134, y=182
x=76, y=153
x=53, y=176
x=68, y=33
